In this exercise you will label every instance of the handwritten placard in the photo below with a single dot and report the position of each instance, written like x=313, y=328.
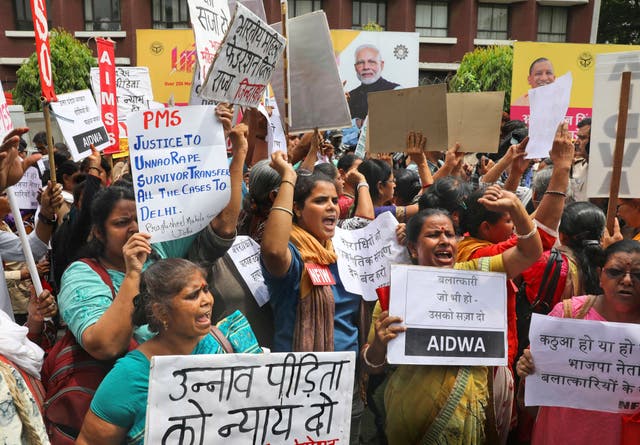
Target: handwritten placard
x=245, y=254
x=133, y=88
x=295, y=398
x=179, y=167
x=365, y=255
x=453, y=317
x=80, y=122
x=584, y=364
x=196, y=88
x=26, y=190
x=6, y=125
x=210, y=21
x=246, y=61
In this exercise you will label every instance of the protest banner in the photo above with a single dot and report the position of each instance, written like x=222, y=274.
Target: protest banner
x=6, y=124
x=196, y=89
x=585, y=364
x=108, y=105
x=43, y=51
x=365, y=255
x=245, y=254
x=133, y=89
x=609, y=69
x=299, y=397
x=246, y=61
x=577, y=58
x=209, y=20
x=26, y=190
x=453, y=317
x=316, y=97
x=170, y=55
x=79, y=120
x=179, y=168
x=549, y=104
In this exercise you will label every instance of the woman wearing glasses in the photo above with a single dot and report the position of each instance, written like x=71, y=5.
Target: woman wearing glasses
x=618, y=302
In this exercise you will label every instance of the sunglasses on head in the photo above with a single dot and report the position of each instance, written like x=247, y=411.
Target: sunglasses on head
x=616, y=274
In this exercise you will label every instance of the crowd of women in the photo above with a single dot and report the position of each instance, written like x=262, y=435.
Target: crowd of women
x=119, y=300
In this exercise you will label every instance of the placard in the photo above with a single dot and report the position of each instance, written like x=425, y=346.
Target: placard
x=179, y=168
x=246, y=61
x=133, y=89
x=245, y=254
x=210, y=20
x=584, y=364
x=79, y=120
x=26, y=190
x=365, y=255
x=453, y=317
x=474, y=121
x=6, y=125
x=284, y=398
x=606, y=100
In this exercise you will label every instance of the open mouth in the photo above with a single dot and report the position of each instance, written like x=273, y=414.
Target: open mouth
x=330, y=222
x=444, y=257
x=204, y=318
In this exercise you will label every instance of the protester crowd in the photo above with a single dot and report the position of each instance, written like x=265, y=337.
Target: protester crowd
x=114, y=300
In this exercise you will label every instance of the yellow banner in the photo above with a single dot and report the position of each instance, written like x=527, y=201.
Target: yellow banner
x=170, y=55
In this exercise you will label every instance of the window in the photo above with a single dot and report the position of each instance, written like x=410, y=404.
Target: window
x=24, y=22
x=299, y=7
x=492, y=21
x=102, y=15
x=369, y=12
x=170, y=14
x=552, y=24
x=432, y=18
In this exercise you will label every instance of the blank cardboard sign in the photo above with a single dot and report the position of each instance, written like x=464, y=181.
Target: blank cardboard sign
x=474, y=120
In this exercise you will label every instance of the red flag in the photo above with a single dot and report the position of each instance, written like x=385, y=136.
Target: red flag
x=41, y=28
x=108, y=102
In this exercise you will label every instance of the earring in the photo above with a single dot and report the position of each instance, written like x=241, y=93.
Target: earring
x=165, y=325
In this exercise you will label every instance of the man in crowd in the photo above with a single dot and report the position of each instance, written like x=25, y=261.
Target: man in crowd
x=368, y=66
x=580, y=166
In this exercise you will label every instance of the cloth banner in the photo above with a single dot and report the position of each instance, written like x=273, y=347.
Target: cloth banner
x=108, y=105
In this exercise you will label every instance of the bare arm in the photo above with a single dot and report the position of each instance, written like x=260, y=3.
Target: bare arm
x=518, y=166
x=51, y=200
x=275, y=240
x=416, y=144
x=499, y=167
x=312, y=155
x=96, y=431
x=364, y=208
x=452, y=161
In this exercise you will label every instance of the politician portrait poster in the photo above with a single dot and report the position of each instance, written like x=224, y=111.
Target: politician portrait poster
x=374, y=61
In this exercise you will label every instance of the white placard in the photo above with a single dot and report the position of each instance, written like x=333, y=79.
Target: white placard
x=548, y=105
x=361, y=146
x=276, y=139
x=6, y=125
x=365, y=255
x=606, y=100
x=80, y=122
x=245, y=254
x=246, y=61
x=302, y=398
x=180, y=170
x=453, y=317
x=26, y=190
x=133, y=89
x=584, y=364
x=210, y=20
x=196, y=88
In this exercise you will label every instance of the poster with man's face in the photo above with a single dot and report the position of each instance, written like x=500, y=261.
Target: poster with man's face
x=374, y=61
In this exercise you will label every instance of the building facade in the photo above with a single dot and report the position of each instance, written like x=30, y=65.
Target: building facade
x=448, y=28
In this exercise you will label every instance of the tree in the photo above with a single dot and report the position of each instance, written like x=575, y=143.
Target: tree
x=71, y=61
x=485, y=69
x=619, y=22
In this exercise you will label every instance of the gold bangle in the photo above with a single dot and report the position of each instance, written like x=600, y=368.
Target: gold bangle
x=290, y=212
x=286, y=181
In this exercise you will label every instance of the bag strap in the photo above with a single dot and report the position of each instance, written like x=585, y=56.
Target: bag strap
x=550, y=278
x=98, y=268
x=568, y=307
x=221, y=339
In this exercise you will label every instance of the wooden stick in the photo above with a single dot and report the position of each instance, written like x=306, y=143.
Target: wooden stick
x=47, y=123
x=285, y=64
x=618, y=153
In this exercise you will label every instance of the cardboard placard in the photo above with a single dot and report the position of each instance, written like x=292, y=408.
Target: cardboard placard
x=474, y=119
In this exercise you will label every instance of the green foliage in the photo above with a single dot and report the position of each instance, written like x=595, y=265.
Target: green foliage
x=71, y=61
x=619, y=22
x=372, y=26
x=485, y=69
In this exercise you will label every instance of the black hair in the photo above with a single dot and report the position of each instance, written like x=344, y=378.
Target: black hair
x=475, y=214
x=40, y=138
x=624, y=246
x=583, y=224
x=414, y=226
x=375, y=171
x=159, y=284
x=538, y=60
x=512, y=132
x=584, y=122
x=62, y=149
x=84, y=166
x=327, y=169
x=407, y=185
x=305, y=185
x=66, y=168
x=346, y=161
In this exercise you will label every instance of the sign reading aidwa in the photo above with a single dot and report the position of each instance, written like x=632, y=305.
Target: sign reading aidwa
x=79, y=120
x=246, y=61
x=210, y=20
x=284, y=398
x=584, y=364
x=179, y=168
x=453, y=317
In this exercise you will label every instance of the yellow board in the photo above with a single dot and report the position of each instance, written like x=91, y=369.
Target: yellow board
x=170, y=55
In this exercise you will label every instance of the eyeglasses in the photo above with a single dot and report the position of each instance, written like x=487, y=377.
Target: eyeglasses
x=616, y=274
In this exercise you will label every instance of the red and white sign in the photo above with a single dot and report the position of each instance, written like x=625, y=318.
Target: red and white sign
x=6, y=125
x=320, y=275
x=41, y=28
x=108, y=103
